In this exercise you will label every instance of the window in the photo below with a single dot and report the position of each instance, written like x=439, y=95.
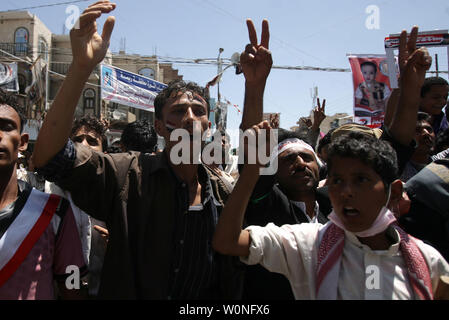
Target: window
x=89, y=99
x=43, y=49
x=21, y=37
x=147, y=72
x=22, y=83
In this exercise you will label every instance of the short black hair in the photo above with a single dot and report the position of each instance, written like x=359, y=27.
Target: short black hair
x=284, y=134
x=113, y=149
x=377, y=154
x=91, y=124
x=178, y=86
x=442, y=141
x=432, y=81
x=369, y=63
x=324, y=141
x=423, y=116
x=11, y=100
x=139, y=136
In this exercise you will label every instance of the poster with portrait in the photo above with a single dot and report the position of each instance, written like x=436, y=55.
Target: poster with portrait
x=9, y=80
x=371, y=88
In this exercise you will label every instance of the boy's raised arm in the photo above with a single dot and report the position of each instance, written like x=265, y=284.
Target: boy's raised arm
x=88, y=49
x=229, y=238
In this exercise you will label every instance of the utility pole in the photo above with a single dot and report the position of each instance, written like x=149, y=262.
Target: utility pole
x=314, y=96
x=220, y=122
x=436, y=63
x=47, y=80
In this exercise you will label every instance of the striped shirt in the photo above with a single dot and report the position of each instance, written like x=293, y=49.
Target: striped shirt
x=194, y=271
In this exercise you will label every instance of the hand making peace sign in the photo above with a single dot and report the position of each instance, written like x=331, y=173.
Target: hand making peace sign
x=319, y=113
x=256, y=60
x=413, y=62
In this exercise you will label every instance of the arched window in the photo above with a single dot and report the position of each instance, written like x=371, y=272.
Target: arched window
x=21, y=38
x=43, y=49
x=22, y=83
x=89, y=99
x=147, y=72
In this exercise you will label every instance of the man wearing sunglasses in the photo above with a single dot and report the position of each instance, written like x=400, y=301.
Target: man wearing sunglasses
x=90, y=132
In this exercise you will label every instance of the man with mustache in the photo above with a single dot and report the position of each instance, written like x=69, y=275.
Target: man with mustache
x=160, y=213
x=425, y=139
x=288, y=197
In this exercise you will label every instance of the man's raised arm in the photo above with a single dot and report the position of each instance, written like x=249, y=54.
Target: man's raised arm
x=88, y=49
x=413, y=64
x=256, y=62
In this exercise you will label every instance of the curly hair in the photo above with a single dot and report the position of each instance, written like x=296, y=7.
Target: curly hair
x=178, y=86
x=11, y=100
x=442, y=141
x=324, y=141
x=139, y=136
x=377, y=154
x=91, y=124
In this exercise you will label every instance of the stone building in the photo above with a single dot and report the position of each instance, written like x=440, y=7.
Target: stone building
x=26, y=40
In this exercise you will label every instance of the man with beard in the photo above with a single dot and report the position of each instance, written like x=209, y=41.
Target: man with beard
x=425, y=139
x=160, y=212
x=288, y=197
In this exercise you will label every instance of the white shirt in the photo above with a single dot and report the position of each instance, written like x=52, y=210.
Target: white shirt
x=292, y=251
x=81, y=218
x=302, y=206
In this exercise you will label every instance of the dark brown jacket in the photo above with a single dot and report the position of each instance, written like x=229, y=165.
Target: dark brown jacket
x=136, y=195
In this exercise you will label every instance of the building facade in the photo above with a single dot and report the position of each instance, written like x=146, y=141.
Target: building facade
x=43, y=59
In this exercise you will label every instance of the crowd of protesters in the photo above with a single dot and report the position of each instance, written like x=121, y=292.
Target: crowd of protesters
x=339, y=211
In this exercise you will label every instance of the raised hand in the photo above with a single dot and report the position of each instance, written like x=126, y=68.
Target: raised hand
x=88, y=47
x=256, y=60
x=257, y=142
x=306, y=120
x=413, y=62
x=318, y=114
x=274, y=120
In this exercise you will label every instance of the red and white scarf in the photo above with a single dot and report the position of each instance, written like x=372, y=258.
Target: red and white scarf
x=329, y=258
x=25, y=230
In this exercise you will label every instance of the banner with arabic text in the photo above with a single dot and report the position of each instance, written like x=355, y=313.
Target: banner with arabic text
x=129, y=88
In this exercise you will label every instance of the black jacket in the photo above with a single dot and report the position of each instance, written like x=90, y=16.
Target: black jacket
x=269, y=204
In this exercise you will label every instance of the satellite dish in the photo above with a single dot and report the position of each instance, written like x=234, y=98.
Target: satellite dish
x=235, y=58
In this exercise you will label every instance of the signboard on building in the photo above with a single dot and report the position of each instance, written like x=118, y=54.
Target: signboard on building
x=436, y=38
x=129, y=88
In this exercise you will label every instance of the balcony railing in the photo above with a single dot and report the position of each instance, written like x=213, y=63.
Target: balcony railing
x=63, y=68
x=17, y=49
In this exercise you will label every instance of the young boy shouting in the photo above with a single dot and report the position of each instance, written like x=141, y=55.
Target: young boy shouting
x=360, y=253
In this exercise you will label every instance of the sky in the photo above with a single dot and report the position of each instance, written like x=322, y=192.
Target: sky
x=303, y=33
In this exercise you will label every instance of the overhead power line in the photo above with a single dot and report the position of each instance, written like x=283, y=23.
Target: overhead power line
x=46, y=5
